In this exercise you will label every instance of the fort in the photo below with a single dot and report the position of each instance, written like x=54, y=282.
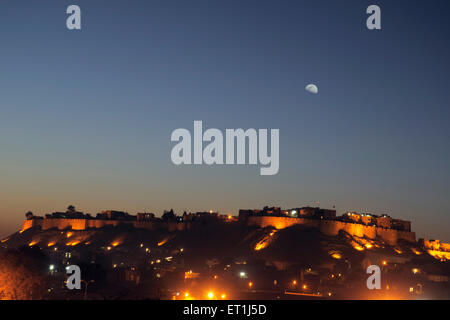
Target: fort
x=361, y=225
x=325, y=220
x=84, y=224
x=72, y=219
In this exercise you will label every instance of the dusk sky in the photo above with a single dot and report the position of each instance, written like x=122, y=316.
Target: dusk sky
x=86, y=115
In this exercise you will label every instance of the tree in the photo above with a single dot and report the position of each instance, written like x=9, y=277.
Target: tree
x=70, y=208
x=168, y=215
x=22, y=275
x=29, y=215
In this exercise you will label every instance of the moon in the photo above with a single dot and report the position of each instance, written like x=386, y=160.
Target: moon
x=312, y=88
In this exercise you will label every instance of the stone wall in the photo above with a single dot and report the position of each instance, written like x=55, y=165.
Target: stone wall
x=83, y=224
x=332, y=228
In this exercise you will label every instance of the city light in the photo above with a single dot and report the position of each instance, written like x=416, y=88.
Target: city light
x=162, y=242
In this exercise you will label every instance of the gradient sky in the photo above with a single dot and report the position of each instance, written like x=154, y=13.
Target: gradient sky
x=86, y=116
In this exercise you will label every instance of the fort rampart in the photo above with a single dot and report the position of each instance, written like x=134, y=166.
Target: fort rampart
x=332, y=227
x=83, y=224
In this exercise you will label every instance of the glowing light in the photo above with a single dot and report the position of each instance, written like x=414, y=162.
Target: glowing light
x=108, y=248
x=264, y=242
x=417, y=252
x=51, y=244
x=242, y=274
x=223, y=296
x=398, y=250
x=305, y=287
x=368, y=245
x=186, y=294
x=210, y=295
x=384, y=262
x=260, y=246
x=4, y=240
x=358, y=247
x=336, y=255
x=32, y=243
x=250, y=284
x=294, y=282
x=440, y=255
x=115, y=243
x=69, y=234
x=162, y=242
x=415, y=270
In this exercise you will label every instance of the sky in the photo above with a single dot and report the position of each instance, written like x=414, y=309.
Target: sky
x=86, y=115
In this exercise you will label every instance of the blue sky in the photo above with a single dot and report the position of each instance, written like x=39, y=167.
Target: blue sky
x=86, y=116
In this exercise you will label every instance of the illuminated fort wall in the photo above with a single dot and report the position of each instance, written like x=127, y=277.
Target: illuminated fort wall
x=436, y=248
x=332, y=228
x=83, y=224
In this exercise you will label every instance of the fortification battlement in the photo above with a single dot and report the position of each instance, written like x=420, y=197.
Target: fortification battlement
x=84, y=224
x=332, y=227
